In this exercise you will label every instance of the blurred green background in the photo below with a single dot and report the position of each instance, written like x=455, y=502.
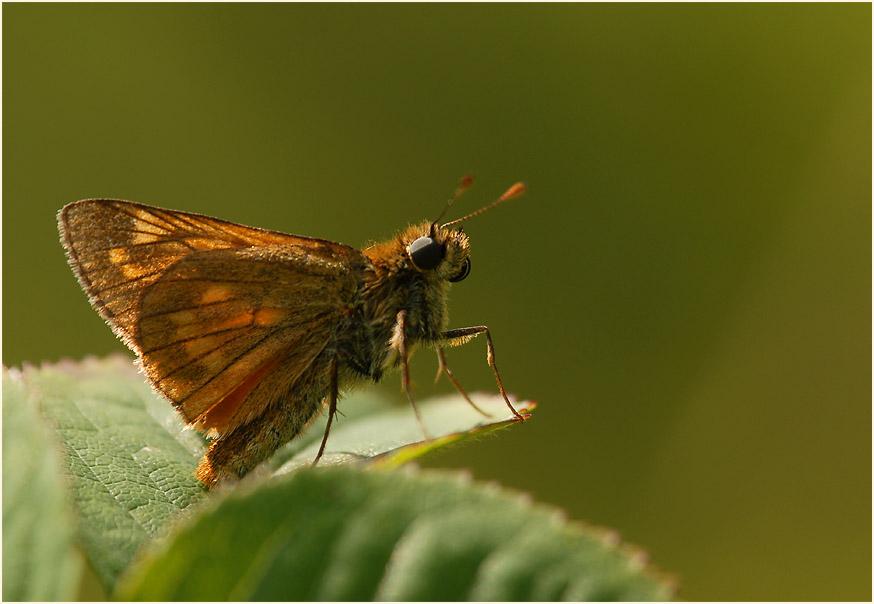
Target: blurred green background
x=686, y=289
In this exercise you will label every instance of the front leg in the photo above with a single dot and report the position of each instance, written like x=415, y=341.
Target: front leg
x=399, y=341
x=461, y=335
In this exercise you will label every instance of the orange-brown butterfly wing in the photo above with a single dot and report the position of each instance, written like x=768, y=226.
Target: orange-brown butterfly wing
x=225, y=327
x=220, y=314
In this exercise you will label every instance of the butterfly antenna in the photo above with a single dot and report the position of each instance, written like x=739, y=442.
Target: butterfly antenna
x=463, y=185
x=511, y=193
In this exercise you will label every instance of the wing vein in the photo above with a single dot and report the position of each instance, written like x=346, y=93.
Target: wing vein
x=225, y=368
x=141, y=219
x=250, y=349
x=127, y=281
x=195, y=307
x=197, y=337
x=207, y=353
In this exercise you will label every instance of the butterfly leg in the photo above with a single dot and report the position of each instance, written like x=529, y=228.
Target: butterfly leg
x=399, y=340
x=462, y=335
x=333, y=393
x=444, y=368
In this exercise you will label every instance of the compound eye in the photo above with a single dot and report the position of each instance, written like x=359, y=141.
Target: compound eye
x=465, y=271
x=426, y=253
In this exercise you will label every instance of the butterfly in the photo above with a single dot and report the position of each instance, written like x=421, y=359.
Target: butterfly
x=251, y=333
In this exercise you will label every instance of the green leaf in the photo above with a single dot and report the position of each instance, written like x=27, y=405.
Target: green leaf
x=129, y=462
x=347, y=533
x=39, y=562
x=391, y=436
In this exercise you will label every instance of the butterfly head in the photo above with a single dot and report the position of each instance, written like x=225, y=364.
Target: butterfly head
x=439, y=251
x=446, y=251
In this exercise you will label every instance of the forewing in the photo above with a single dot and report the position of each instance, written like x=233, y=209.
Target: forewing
x=119, y=248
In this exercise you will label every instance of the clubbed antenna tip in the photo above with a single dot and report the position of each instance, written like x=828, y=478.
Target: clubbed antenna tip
x=515, y=191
